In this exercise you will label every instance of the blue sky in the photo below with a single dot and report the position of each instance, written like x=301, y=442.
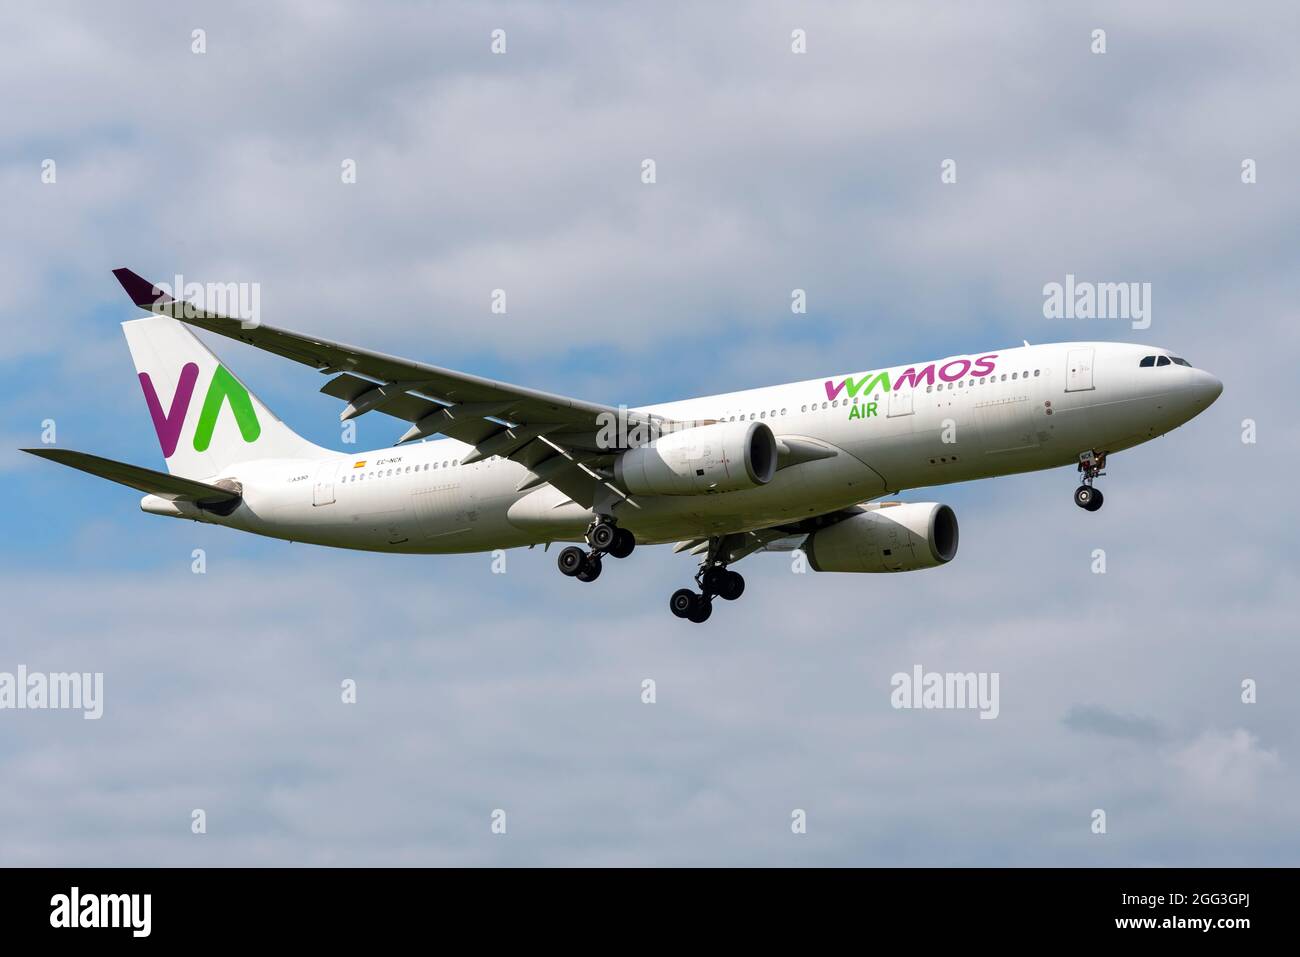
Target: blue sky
x=522, y=691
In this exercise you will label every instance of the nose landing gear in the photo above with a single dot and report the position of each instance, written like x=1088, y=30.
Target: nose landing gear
x=605, y=538
x=1092, y=465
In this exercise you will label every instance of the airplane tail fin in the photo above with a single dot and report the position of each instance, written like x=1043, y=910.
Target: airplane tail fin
x=206, y=419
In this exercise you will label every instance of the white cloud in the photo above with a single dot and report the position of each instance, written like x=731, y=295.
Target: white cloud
x=1225, y=767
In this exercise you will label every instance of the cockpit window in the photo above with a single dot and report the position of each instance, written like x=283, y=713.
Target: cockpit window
x=1147, y=362
x=1181, y=362
x=1163, y=361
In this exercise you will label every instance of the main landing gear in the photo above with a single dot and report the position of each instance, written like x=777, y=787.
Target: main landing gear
x=714, y=580
x=604, y=538
x=1092, y=465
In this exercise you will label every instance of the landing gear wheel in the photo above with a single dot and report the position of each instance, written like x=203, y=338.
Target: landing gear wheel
x=701, y=609
x=682, y=601
x=712, y=579
x=624, y=542
x=571, y=560
x=1085, y=496
x=1092, y=465
x=732, y=586
x=590, y=569
x=602, y=535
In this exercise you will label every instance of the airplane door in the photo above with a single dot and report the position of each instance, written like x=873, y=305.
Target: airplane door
x=1078, y=370
x=323, y=492
x=900, y=403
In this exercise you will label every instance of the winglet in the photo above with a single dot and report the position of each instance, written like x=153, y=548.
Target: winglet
x=142, y=292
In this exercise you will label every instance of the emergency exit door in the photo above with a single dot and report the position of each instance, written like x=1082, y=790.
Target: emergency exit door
x=1078, y=370
x=323, y=493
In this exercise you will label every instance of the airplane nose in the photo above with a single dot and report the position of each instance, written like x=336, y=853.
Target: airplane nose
x=1207, y=388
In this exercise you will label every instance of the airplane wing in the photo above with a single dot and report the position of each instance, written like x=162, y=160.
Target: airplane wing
x=166, y=486
x=554, y=436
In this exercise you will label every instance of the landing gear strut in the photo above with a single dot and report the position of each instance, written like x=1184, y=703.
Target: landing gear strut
x=714, y=580
x=605, y=538
x=1092, y=465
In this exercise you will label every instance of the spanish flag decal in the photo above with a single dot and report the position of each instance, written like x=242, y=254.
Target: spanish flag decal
x=359, y=465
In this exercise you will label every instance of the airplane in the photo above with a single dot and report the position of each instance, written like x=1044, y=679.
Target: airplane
x=802, y=466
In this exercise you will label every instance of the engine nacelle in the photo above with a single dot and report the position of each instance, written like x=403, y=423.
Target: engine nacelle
x=887, y=537
x=724, y=457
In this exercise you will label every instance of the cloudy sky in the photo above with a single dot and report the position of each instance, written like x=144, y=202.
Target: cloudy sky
x=775, y=171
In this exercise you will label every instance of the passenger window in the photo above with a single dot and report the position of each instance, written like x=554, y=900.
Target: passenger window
x=1013, y=375
x=929, y=388
x=1036, y=371
x=1147, y=362
x=1163, y=361
x=1004, y=377
x=762, y=415
x=803, y=409
x=783, y=410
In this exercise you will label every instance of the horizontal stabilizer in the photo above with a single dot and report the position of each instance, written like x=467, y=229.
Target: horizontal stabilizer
x=166, y=486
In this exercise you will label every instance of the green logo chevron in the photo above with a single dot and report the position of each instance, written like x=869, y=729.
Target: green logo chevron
x=226, y=388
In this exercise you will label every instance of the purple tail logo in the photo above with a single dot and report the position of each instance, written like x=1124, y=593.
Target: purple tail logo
x=168, y=425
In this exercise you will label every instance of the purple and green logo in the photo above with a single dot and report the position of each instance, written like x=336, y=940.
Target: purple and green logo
x=949, y=371
x=223, y=388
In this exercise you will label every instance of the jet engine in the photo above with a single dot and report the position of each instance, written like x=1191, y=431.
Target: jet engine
x=886, y=537
x=723, y=457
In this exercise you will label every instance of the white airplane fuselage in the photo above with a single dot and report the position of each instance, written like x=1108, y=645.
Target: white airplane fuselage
x=1008, y=411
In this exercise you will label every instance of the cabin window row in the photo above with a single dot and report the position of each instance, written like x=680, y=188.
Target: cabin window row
x=961, y=383
x=382, y=473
